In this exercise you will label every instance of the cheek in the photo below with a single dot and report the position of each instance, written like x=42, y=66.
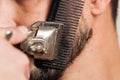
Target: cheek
x=87, y=15
x=28, y=18
x=27, y=15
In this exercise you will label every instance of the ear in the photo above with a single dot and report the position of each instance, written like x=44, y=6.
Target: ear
x=99, y=6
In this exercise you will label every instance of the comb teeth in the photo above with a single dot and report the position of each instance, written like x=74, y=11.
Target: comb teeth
x=70, y=16
x=69, y=12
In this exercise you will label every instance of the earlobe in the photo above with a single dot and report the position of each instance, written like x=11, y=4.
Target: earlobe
x=99, y=6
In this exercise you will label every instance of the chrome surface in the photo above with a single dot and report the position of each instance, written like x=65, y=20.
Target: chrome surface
x=43, y=41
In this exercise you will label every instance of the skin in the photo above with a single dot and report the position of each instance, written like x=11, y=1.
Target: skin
x=100, y=59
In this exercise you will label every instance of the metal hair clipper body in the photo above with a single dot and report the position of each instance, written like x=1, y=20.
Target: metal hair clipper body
x=43, y=40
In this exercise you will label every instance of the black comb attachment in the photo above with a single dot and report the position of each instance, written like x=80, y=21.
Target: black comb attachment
x=68, y=12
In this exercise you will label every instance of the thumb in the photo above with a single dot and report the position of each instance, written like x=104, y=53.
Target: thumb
x=18, y=34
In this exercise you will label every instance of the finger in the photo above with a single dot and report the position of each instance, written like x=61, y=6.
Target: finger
x=18, y=34
x=14, y=57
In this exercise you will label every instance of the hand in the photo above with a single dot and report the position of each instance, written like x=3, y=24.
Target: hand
x=14, y=64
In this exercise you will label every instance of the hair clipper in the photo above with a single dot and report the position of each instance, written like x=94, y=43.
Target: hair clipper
x=50, y=43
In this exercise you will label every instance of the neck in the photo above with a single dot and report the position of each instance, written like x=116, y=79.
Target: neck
x=100, y=59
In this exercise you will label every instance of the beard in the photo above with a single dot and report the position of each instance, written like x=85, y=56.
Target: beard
x=45, y=74
x=83, y=34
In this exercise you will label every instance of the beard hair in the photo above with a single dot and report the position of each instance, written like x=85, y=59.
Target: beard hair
x=45, y=74
x=83, y=34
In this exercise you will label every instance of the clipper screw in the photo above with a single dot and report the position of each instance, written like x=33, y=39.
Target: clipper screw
x=37, y=48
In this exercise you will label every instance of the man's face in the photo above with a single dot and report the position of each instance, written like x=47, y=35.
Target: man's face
x=14, y=13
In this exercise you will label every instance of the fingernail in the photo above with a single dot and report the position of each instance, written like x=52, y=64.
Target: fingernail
x=23, y=29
